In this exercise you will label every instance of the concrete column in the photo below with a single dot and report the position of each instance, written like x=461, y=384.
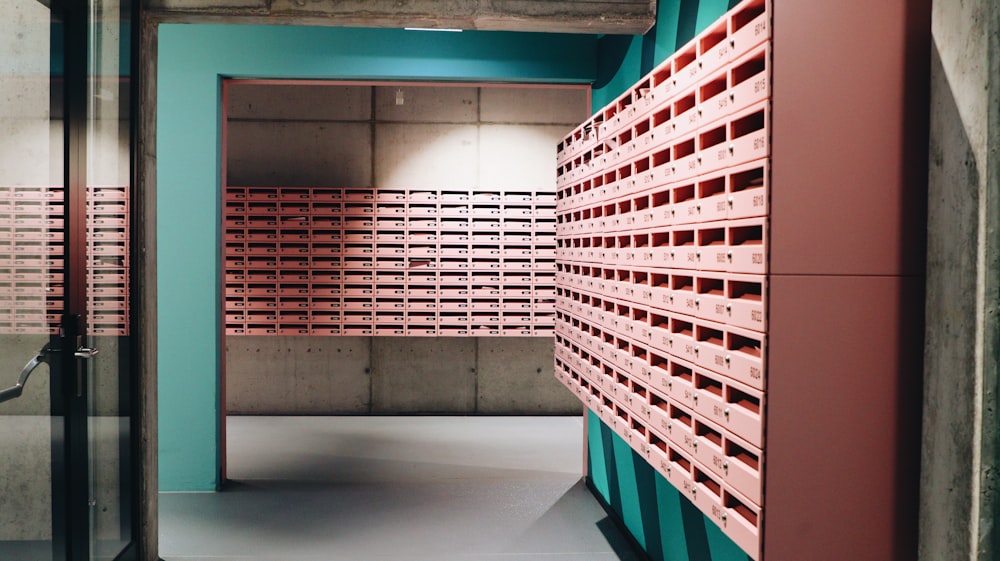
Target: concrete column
x=958, y=502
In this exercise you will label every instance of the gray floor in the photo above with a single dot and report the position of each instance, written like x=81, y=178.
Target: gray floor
x=396, y=489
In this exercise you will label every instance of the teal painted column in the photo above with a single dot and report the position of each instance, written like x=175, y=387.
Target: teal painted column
x=192, y=61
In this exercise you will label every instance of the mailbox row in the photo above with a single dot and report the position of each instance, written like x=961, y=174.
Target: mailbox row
x=630, y=340
x=737, y=300
x=288, y=211
x=383, y=195
x=704, y=106
x=737, y=192
x=308, y=247
x=713, y=469
x=732, y=140
x=734, y=246
x=392, y=329
x=735, y=407
x=537, y=279
x=725, y=43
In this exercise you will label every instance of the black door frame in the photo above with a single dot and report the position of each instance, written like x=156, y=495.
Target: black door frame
x=71, y=509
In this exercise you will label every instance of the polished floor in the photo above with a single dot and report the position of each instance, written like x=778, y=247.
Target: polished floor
x=396, y=489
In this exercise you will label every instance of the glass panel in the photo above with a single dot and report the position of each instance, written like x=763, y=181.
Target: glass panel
x=31, y=246
x=108, y=178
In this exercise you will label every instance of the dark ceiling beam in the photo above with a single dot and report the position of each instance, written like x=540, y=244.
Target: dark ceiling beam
x=617, y=17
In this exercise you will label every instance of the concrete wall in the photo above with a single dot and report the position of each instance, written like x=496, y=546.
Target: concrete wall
x=442, y=136
x=393, y=375
x=959, y=504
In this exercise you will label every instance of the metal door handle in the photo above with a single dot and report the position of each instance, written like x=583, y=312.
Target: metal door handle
x=84, y=352
x=16, y=390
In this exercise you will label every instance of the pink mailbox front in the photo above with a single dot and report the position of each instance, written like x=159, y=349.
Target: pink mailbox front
x=713, y=48
x=743, y=522
x=743, y=412
x=747, y=190
x=712, y=252
x=659, y=412
x=709, y=394
x=745, y=301
x=685, y=66
x=711, y=302
x=708, y=494
x=680, y=382
x=747, y=245
x=685, y=162
x=745, y=356
x=710, y=350
x=749, y=26
x=740, y=468
x=750, y=78
x=749, y=134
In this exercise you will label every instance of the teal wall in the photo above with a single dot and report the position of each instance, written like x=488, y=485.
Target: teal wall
x=623, y=59
x=664, y=522
x=191, y=61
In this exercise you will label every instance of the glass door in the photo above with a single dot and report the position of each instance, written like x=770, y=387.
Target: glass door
x=66, y=469
x=32, y=244
x=107, y=298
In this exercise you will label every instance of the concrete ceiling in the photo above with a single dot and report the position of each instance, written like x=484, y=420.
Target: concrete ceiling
x=554, y=16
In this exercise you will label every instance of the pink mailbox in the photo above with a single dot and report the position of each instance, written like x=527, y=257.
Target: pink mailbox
x=707, y=494
x=711, y=297
x=658, y=369
x=685, y=114
x=741, y=468
x=662, y=126
x=749, y=132
x=680, y=382
x=747, y=245
x=659, y=332
x=683, y=247
x=662, y=82
x=713, y=99
x=747, y=190
x=713, y=253
x=745, y=358
x=661, y=253
x=640, y=329
x=659, y=412
x=683, y=210
x=713, y=48
x=709, y=446
x=749, y=26
x=685, y=163
x=711, y=349
x=685, y=66
x=643, y=292
x=745, y=301
x=660, y=207
x=681, y=428
x=682, y=342
x=660, y=293
x=714, y=152
x=741, y=412
x=679, y=469
x=657, y=454
x=709, y=394
x=638, y=403
x=750, y=78
x=712, y=198
x=683, y=296
x=742, y=523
